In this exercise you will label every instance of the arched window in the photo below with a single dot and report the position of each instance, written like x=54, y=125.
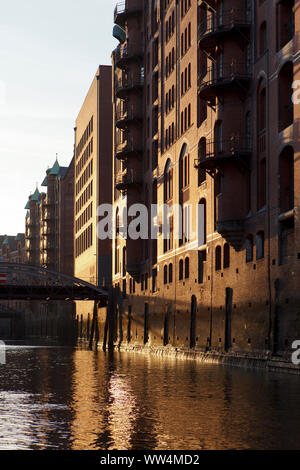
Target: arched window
x=226, y=256
x=181, y=167
x=170, y=273
x=286, y=179
x=117, y=243
x=218, y=135
x=184, y=175
x=260, y=245
x=181, y=270
x=202, y=229
x=249, y=248
x=285, y=22
x=248, y=130
x=263, y=38
x=201, y=157
x=165, y=274
x=262, y=184
x=218, y=255
x=168, y=181
x=124, y=261
x=285, y=91
x=262, y=119
x=187, y=268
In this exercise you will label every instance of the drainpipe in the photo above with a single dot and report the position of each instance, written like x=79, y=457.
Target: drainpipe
x=270, y=330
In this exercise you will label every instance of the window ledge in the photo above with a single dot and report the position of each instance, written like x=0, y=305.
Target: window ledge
x=286, y=215
x=261, y=210
x=286, y=51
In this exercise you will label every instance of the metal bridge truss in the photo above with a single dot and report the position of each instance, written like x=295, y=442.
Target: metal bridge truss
x=24, y=282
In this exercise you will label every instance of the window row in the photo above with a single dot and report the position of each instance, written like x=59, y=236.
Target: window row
x=186, y=39
x=144, y=282
x=170, y=99
x=218, y=257
x=84, y=177
x=85, y=156
x=84, y=241
x=166, y=3
x=85, y=136
x=169, y=241
x=170, y=136
x=84, y=218
x=185, y=6
x=184, y=269
x=170, y=26
x=168, y=274
x=85, y=196
x=186, y=81
x=170, y=62
x=259, y=242
x=285, y=27
x=186, y=119
x=131, y=286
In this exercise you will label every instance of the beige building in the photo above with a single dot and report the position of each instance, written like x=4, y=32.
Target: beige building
x=93, y=183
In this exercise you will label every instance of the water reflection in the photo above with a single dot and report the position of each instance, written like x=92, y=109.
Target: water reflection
x=63, y=398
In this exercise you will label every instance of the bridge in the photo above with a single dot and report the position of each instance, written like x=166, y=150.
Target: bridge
x=25, y=282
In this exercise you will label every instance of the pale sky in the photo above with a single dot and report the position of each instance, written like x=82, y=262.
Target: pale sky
x=49, y=55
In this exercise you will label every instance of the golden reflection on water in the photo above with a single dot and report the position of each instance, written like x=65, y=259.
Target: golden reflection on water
x=63, y=398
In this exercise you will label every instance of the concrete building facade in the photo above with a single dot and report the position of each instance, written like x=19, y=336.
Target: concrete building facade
x=204, y=114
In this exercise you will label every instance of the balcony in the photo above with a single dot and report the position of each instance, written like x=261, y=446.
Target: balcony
x=123, y=11
x=125, y=86
x=129, y=178
x=215, y=27
x=232, y=231
x=48, y=204
x=127, y=149
x=48, y=217
x=48, y=247
x=217, y=154
x=48, y=233
x=124, y=117
x=123, y=56
x=31, y=236
x=220, y=77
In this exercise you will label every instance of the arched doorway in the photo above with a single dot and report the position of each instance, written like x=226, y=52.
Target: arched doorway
x=193, y=322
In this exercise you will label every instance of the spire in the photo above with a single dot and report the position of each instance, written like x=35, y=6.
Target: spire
x=55, y=169
x=36, y=195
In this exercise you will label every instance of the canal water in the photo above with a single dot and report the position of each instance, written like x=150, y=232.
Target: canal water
x=68, y=398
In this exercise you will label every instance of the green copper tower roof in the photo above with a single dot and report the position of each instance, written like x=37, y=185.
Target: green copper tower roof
x=45, y=183
x=55, y=169
x=36, y=196
x=5, y=241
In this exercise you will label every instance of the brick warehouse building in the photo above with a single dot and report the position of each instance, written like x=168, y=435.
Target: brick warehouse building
x=203, y=114
x=49, y=244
